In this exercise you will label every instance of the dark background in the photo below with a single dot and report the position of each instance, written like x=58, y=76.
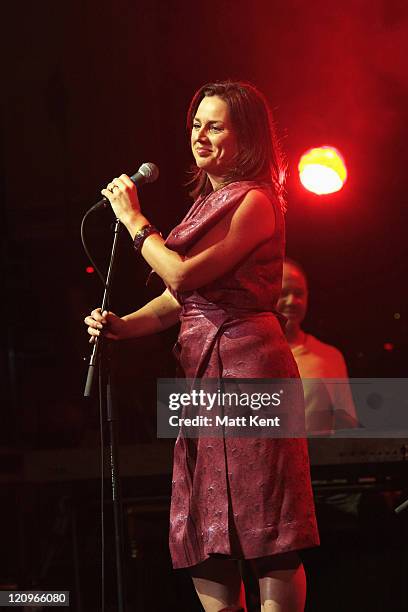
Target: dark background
x=92, y=89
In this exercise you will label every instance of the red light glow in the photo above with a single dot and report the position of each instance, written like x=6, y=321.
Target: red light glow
x=89, y=270
x=322, y=170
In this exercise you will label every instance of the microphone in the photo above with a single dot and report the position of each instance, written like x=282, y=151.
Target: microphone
x=147, y=173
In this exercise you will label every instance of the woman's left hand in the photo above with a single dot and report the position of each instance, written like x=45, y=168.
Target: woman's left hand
x=122, y=195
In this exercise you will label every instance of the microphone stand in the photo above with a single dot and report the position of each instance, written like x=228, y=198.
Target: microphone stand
x=107, y=407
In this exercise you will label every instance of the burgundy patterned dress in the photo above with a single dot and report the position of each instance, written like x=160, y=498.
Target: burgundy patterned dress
x=240, y=497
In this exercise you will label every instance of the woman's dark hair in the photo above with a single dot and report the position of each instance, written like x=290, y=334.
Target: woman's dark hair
x=259, y=155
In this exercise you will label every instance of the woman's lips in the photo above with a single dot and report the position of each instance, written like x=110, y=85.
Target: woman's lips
x=202, y=151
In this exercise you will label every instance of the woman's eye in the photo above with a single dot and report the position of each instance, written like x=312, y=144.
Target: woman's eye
x=196, y=126
x=215, y=128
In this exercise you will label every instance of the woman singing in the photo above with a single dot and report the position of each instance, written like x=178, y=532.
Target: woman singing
x=232, y=498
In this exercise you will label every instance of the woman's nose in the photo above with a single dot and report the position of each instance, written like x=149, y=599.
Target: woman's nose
x=201, y=134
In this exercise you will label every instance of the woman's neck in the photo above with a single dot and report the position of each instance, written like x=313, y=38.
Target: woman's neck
x=216, y=181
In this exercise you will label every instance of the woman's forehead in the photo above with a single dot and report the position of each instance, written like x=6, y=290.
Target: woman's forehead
x=213, y=107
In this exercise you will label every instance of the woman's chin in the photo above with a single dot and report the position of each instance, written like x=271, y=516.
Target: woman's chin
x=203, y=163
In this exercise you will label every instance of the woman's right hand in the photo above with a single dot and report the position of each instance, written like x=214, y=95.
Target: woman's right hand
x=105, y=324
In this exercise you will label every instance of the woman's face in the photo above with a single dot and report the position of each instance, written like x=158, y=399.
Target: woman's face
x=213, y=139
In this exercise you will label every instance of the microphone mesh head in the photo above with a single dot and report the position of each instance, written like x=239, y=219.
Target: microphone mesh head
x=150, y=172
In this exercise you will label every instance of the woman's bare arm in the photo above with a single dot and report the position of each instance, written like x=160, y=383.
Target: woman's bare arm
x=157, y=315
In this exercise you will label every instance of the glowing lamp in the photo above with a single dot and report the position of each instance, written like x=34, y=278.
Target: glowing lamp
x=89, y=269
x=322, y=170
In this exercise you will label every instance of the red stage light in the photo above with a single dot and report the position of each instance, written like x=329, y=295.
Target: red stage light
x=388, y=346
x=89, y=270
x=322, y=170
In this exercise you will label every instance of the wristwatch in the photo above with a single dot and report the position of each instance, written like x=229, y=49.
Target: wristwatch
x=142, y=234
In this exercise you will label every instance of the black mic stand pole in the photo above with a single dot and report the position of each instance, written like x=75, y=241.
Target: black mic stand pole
x=107, y=403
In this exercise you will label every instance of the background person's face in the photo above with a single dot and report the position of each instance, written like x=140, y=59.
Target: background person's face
x=293, y=299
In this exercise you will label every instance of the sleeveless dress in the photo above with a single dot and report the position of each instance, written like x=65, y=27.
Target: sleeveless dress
x=236, y=497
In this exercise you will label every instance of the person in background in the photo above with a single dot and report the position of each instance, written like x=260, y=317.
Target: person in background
x=329, y=406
